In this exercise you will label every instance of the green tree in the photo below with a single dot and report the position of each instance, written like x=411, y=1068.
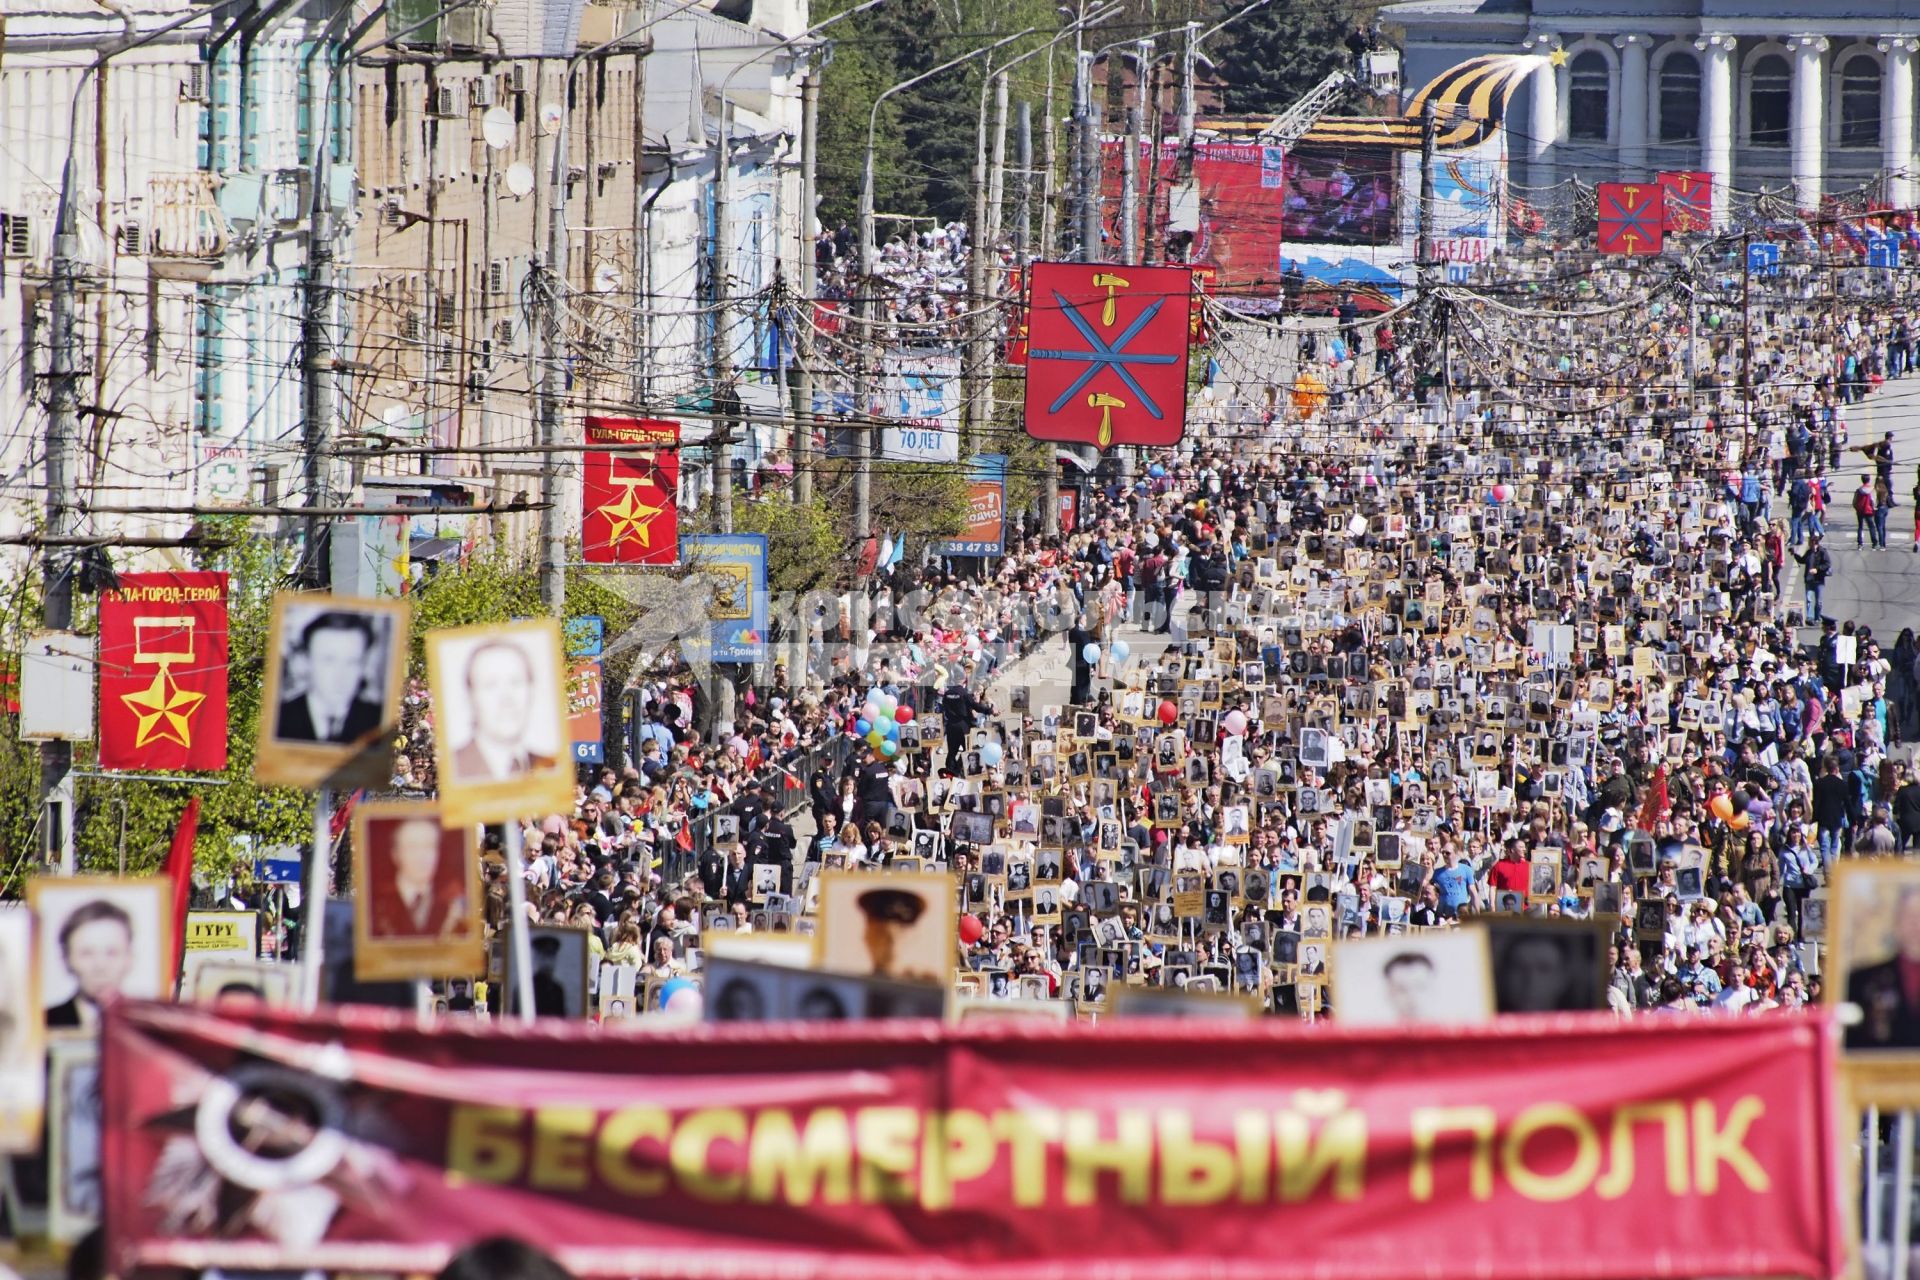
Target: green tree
x=1270, y=58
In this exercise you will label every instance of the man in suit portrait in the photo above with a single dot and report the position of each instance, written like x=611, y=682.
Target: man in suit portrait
x=331, y=661
x=1888, y=993
x=499, y=684
x=421, y=891
x=96, y=945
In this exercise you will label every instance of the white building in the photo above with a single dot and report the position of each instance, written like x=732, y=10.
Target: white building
x=1762, y=94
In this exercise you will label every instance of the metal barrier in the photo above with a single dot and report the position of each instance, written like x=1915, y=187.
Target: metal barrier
x=1889, y=1216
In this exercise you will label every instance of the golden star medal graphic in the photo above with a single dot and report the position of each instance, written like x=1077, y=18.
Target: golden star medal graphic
x=164, y=710
x=629, y=518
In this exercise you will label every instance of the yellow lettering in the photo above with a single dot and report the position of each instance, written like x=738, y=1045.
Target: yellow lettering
x=884, y=1137
x=1714, y=1145
x=1129, y=1153
x=1026, y=1134
x=958, y=1146
x=560, y=1147
x=1339, y=1149
x=619, y=1136
x=785, y=1164
x=692, y=1144
x=1671, y=1116
x=1251, y=1137
x=1429, y=1123
x=484, y=1143
x=1569, y=1182
x=1192, y=1172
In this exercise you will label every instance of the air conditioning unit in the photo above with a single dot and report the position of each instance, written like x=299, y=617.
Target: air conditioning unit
x=446, y=312
x=517, y=78
x=497, y=276
x=133, y=239
x=446, y=358
x=468, y=28
x=194, y=87
x=503, y=334
x=448, y=101
x=391, y=214
x=410, y=326
x=483, y=91
x=476, y=389
x=16, y=229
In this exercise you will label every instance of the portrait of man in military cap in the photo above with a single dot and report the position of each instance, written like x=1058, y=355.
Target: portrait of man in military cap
x=889, y=925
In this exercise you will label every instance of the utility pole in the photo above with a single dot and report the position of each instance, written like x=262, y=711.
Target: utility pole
x=973, y=375
x=720, y=443
x=63, y=503
x=1426, y=267
x=1023, y=189
x=553, y=573
x=1130, y=187
x=870, y=344
x=1154, y=235
x=1091, y=250
x=318, y=339
x=809, y=283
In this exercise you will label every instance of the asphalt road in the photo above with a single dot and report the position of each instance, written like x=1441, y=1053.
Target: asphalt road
x=1880, y=589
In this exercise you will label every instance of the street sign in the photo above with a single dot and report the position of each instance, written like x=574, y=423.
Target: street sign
x=1763, y=259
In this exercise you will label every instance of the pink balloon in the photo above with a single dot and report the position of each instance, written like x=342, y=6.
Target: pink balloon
x=1234, y=722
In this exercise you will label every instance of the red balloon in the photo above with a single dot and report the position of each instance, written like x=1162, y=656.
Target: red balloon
x=1168, y=713
x=971, y=928
x=903, y=714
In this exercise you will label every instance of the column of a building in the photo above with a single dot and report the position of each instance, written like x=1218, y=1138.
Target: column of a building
x=1543, y=121
x=1633, y=105
x=1808, y=119
x=1716, y=118
x=1897, y=129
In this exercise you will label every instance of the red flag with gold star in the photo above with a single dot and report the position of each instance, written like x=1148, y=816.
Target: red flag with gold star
x=628, y=514
x=163, y=672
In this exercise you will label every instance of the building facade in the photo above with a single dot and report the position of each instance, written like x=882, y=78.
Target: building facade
x=1765, y=95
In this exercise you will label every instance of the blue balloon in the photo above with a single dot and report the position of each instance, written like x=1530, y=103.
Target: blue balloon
x=990, y=754
x=1120, y=651
x=1156, y=471
x=889, y=748
x=892, y=730
x=863, y=726
x=672, y=987
x=1091, y=652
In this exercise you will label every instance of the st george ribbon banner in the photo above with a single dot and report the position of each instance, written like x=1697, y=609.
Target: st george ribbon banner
x=1537, y=1147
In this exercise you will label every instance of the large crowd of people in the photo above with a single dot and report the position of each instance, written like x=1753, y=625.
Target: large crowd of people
x=1540, y=586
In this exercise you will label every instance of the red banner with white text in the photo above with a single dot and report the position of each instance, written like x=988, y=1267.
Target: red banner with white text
x=1557, y=1146
x=163, y=672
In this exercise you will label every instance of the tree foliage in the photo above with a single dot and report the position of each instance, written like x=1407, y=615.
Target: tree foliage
x=1270, y=58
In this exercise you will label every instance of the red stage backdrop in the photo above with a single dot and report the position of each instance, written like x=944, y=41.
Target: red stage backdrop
x=163, y=672
x=1568, y=1146
x=627, y=509
x=1107, y=353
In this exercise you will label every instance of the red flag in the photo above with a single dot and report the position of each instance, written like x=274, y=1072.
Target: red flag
x=628, y=516
x=163, y=672
x=1632, y=217
x=1656, y=806
x=180, y=875
x=1689, y=199
x=1107, y=353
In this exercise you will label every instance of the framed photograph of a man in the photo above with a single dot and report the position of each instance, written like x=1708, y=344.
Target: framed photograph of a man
x=73, y=1138
x=97, y=940
x=334, y=671
x=1443, y=978
x=224, y=979
x=499, y=736
x=23, y=1076
x=419, y=896
x=560, y=960
x=1543, y=964
x=896, y=926
x=1873, y=963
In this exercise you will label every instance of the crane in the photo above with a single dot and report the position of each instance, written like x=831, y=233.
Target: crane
x=1382, y=68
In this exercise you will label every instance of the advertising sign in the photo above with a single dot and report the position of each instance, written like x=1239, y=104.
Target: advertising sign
x=584, y=728
x=920, y=397
x=985, y=533
x=739, y=605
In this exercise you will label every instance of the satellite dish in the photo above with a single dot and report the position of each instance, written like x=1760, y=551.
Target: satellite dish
x=551, y=114
x=520, y=179
x=606, y=278
x=496, y=126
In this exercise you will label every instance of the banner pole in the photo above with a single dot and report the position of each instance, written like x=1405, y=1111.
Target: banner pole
x=521, y=959
x=313, y=913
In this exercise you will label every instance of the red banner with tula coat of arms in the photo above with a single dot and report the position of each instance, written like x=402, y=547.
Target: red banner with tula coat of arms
x=1107, y=353
x=628, y=514
x=1633, y=217
x=163, y=672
